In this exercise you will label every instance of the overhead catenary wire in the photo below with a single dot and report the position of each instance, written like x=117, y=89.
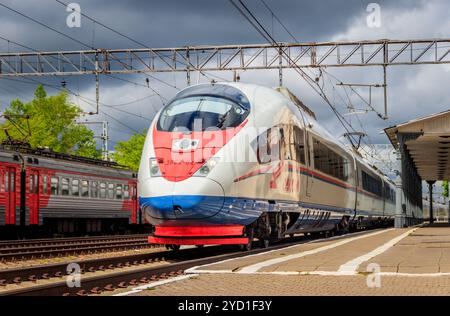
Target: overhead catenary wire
x=46, y=26
x=296, y=40
x=85, y=100
x=310, y=81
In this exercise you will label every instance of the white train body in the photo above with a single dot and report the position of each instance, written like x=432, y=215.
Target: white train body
x=264, y=167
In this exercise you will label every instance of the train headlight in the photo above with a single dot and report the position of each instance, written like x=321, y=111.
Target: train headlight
x=154, y=168
x=207, y=167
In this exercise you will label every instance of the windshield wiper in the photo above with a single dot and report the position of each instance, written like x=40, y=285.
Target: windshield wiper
x=222, y=120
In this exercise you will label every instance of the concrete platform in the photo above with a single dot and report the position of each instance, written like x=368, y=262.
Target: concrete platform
x=409, y=261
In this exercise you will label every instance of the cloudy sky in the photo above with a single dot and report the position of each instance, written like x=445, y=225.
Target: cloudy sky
x=413, y=90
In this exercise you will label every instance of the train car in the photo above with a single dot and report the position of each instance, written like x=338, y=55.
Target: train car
x=225, y=163
x=42, y=191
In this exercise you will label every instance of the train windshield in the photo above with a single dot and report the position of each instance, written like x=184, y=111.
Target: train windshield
x=200, y=113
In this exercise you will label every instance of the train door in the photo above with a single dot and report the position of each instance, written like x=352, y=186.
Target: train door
x=134, y=203
x=10, y=195
x=33, y=196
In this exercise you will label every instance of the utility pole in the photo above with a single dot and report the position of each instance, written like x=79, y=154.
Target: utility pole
x=104, y=137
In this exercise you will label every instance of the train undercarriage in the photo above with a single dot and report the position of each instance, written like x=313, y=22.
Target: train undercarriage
x=270, y=228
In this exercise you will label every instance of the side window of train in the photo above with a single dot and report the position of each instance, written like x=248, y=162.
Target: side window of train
x=110, y=190
x=75, y=187
x=54, y=190
x=119, y=192
x=102, y=190
x=85, y=188
x=126, y=191
x=389, y=194
x=328, y=161
x=65, y=186
x=45, y=185
x=94, y=189
x=371, y=184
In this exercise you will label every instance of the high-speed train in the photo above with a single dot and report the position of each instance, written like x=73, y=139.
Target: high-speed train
x=227, y=163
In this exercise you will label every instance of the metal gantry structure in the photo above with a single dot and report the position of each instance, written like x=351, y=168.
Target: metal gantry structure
x=227, y=57
x=382, y=53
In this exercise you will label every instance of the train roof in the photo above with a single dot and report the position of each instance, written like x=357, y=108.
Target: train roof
x=47, y=153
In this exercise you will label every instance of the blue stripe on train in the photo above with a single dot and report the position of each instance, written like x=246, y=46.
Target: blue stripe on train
x=180, y=209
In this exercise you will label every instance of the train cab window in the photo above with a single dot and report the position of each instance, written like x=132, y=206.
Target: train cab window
x=6, y=181
x=119, y=192
x=102, y=190
x=45, y=185
x=299, y=145
x=65, y=186
x=198, y=113
x=84, y=188
x=75, y=187
x=126, y=192
x=94, y=189
x=267, y=147
x=110, y=190
x=54, y=190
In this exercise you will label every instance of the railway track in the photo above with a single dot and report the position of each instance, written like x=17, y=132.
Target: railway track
x=37, y=249
x=176, y=262
x=65, y=240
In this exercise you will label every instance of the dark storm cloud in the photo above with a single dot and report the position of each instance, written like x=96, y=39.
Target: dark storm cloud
x=172, y=23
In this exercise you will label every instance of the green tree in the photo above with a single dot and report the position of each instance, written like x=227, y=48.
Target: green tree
x=49, y=121
x=128, y=153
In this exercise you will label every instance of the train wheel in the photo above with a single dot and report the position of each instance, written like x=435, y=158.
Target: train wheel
x=265, y=242
x=248, y=246
x=173, y=247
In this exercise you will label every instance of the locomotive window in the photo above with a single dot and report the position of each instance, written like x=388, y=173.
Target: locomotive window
x=75, y=187
x=44, y=185
x=299, y=144
x=6, y=181
x=110, y=190
x=54, y=186
x=65, y=186
x=201, y=112
x=328, y=161
x=371, y=184
x=126, y=192
x=119, y=192
x=94, y=189
x=84, y=188
x=102, y=190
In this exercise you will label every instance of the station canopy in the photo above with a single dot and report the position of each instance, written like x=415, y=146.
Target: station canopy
x=426, y=142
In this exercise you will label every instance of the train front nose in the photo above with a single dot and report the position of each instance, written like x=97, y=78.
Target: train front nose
x=192, y=199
